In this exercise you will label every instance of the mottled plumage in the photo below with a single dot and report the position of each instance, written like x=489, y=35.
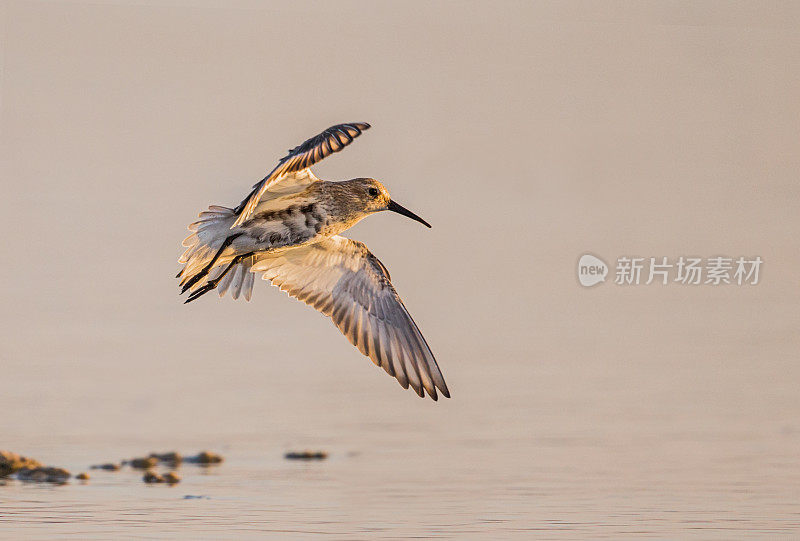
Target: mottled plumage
x=301, y=158
x=287, y=229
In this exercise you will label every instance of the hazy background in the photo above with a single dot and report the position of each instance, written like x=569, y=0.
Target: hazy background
x=527, y=133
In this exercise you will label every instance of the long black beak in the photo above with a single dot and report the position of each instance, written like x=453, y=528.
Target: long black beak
x=400, y=209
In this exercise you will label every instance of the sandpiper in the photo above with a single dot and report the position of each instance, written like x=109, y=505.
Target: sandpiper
x=288, y=230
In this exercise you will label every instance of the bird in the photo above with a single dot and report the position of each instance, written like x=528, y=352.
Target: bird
x=288, y=230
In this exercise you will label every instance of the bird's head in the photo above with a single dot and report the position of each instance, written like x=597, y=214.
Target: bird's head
x=372, y=196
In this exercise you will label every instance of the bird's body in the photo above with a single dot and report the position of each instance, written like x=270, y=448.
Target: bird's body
x=318, y=212
x=288, y=230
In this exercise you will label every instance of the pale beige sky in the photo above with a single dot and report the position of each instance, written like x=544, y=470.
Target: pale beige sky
x=526, y=133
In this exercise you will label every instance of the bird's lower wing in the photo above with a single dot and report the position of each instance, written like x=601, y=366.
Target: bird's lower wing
x=343, y=280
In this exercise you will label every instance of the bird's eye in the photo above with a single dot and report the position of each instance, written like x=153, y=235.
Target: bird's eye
x=373, y=192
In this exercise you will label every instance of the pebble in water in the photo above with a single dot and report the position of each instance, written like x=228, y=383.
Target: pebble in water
x=171, y=458
x=172, y=478
x=109, y=466
x=143, y=463
x=306, y=455
x=204, y=457
x=152, y=477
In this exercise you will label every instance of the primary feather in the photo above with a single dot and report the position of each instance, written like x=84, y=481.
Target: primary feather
x=292, y=169
x=343, y=280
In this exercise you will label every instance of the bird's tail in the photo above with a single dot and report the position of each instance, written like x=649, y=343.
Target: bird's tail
x=203, y=263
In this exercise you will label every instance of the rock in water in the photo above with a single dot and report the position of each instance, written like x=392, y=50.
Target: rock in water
x=152, y=477
x=172, y=458
x=109, y=466
x=12, y=462
x=43, y=474
x=204, y=457
x=172, y=478
x=143, y=463
x=306, y=455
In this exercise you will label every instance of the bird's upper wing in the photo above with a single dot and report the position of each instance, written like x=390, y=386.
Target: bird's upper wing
x=343, y=280
x=292, y=170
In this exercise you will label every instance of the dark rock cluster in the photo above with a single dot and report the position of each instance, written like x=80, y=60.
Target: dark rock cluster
x=29, y=469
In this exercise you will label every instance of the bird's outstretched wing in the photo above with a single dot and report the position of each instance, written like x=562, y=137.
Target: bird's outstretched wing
x=343, y=280
x=293, y=168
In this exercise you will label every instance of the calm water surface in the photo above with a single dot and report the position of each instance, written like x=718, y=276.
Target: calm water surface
x=568, y=450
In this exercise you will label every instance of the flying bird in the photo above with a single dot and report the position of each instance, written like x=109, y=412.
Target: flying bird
x=288, y=230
